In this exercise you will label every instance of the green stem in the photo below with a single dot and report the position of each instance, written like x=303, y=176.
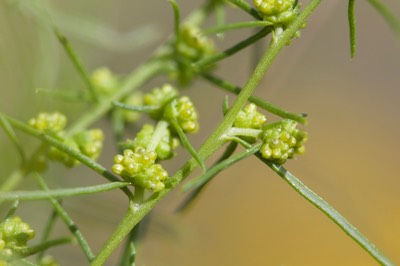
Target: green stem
x=77, y=63
x=46, y=233
x=60, y=193
x=177, y=19
x=159, y=132
x=246, y=7
x=230, y=51
x=243, y=132
x=129, y=107
x=387, y=14
x=256, y=100
x=68, y=150
x=212, y=144
x=327, y=209
x=213, y=171
x=12, y=136
x=44, y=246
x=64, y=94
x=352, y=28
x=188, y=146
x=235, y=26
x=68, y=221
x=188, y=201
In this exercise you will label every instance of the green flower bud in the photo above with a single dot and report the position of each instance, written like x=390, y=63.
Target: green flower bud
x=90, y=142
x=249, y=117
x=5, y=252
x=152, y=178
x=15, y=233
x=104, y=81
x=279, y=12
x=164, y=149
x=137, y=166
x=191, y=46
x=282, y=141
x=49, y=122
x=160, y=97
x=184, y=112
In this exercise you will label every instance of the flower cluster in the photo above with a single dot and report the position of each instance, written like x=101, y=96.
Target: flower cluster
x=249, y=117
x=282, y=141
x=191, y=46
x=138, y=166
x=171, y=108
x=280, y=13
x=49, y=122
x=159, y=98
x=14, y=235
x=88, y=142
x=183, y=111
x=165, y=147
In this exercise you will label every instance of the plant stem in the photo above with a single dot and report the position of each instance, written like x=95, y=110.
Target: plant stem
x=196, y=192
x=243, y=132
x=60, y=193
x=12, y=136
x=327, y=209
x=68, y=221
x=230, y=51
x=77, y=63
x=352, y=28
x=387, y=14
x=246, y=7
x=235, y=26
x=46, y=233
x=159, y=132
x=256, y=100
x=213, y=171
x=43, y=246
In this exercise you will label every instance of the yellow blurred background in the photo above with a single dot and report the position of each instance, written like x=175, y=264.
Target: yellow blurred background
x=247, y=215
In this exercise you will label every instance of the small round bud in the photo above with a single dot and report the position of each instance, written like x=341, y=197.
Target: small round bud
x=160, y=97
x=104, y=81
x=192, y=46
x=184, y=112
x=249, y=117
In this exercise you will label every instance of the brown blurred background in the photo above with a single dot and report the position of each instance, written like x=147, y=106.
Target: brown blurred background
x=248, y=215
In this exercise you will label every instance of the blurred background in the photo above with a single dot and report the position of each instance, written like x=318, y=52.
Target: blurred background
x=247, y=215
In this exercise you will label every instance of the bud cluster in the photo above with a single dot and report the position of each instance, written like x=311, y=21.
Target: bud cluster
x=279, y=12
x=282, y=141
x=88, y=142
x=171, y=108
x=138, y=166
x=191, y=46
x=249, y=117
x=165, y=147
x=14, y=235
